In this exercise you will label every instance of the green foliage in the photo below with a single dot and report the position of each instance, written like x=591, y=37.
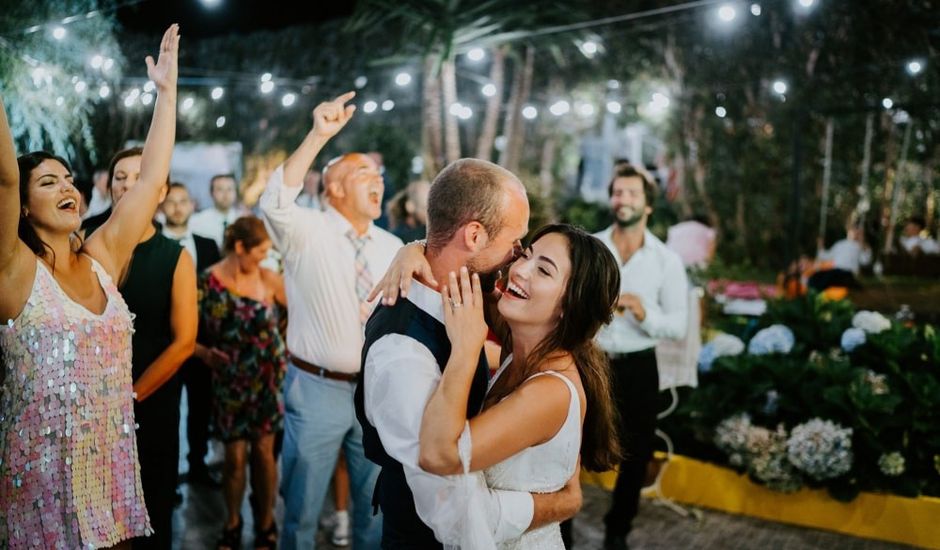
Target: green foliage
x=887, y=390
x=39, y=74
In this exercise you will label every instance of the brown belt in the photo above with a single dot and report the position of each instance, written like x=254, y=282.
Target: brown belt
x=322, y=372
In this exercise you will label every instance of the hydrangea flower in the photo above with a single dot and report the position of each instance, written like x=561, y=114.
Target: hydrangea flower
x=877, y=382
x=821, y=448
x=722, y=345
x=768, y=459
x=773, y=339
x=871, y=322
x=852, y=338
x=731, y=433
x=891, y=464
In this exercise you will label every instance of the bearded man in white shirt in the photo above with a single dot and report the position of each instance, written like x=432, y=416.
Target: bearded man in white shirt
x=330, y=257
x=211, y=222
x=653, y=305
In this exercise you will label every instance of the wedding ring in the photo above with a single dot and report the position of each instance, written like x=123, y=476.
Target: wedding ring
x=455, y=304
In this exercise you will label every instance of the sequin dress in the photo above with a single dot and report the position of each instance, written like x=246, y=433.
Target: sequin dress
x=69, y=476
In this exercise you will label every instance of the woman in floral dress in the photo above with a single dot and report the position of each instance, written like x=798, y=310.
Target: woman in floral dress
x=241, y=306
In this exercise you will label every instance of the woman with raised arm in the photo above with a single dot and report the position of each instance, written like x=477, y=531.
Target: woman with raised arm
x=69, y=475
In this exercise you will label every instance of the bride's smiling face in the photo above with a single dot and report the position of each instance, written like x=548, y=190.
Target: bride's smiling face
x=537, y=282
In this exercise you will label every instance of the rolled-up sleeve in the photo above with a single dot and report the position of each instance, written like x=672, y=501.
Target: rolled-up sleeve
x=400, y=376
x=669, y=318
x=279, y=209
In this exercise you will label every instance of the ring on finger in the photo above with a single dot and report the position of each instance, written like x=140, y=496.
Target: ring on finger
x=455, y=304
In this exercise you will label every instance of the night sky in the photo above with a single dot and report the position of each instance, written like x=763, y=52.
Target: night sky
x=199, y=19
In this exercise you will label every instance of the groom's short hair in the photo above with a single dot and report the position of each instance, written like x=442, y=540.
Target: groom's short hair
x=466, y=190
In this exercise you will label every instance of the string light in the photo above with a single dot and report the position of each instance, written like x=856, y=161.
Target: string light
x=476, y=54
x=288, y=99
x=188, y=103
x=217, y=93
x=914, y=67
x=780, y=87
x=266, y=77
x=361, y=82
x=720, y=112
x=887, y=103
x=146, y=99
x=589, y=48
x=369, y=107
x=58, y=33
x=388, y=105
x=104, y=91
x=267, y=87
x=108, y=63
x=585, y=109
x=403, y=79
x=727, y=13
x=220, y=122
x=150, y=86
x=96, y=61
x=613, y=107
x=530, y=112
x=559, y=108
x=80, y=86
x=755, y=10
x=489, y=90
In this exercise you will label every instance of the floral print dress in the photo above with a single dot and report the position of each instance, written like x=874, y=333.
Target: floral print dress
x=246, y=393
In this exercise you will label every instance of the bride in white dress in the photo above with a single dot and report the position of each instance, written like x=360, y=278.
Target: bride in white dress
x=550, y=401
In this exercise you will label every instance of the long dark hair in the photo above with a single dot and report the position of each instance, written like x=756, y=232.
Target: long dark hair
x=588, y=304
x=27, y=233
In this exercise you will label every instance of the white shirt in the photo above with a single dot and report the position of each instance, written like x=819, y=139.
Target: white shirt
x=402, y=374
x=211, y=223
x=309, y=201
x=99, y=203
x=186, y=241
x=925, y=244
x=847, y=254
x=656, y=275
x=323, y=324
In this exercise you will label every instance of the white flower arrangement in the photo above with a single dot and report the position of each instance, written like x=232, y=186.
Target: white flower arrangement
x=871, y=322
x=891, y=464
x=821, y=449
x=877, y=382
x=761, y=451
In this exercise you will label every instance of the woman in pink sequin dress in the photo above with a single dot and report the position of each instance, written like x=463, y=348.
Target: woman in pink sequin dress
x=69, y=476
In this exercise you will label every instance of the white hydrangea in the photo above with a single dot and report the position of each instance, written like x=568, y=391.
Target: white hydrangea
x=821, y=448
x=727, y=345
x=871, y=322
x=731, y=434
x=891, y=464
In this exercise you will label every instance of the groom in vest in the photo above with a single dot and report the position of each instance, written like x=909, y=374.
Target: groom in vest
x=477, y=214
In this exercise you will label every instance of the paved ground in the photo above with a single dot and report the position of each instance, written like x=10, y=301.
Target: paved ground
x=199, y=518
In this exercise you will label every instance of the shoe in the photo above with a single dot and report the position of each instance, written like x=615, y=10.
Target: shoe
x=266, y=539
x=615, y=542
x=231, y=539
x=340, y=536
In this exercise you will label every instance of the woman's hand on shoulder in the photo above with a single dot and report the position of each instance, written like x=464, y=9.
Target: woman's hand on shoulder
x=408, y=263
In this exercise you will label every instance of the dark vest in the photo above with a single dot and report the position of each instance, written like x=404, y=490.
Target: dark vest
x=401, y=527
x=207, y=253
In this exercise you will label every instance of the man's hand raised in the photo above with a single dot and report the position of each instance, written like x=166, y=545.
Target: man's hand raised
x=330, y=117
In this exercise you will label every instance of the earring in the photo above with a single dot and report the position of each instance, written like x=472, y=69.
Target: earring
x=25, y=212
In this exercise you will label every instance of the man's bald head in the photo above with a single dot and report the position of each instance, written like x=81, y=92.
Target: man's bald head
x=354, y=187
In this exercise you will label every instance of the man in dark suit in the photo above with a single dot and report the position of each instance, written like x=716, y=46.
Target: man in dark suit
x=195, y=376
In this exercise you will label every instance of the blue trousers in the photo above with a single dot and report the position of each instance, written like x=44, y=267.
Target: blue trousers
x=320, y=419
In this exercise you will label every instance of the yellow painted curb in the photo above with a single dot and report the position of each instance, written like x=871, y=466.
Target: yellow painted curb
x=886, y=517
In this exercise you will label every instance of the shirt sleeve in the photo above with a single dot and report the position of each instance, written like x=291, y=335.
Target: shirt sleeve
x=668, y=319
x=396, y=392
x=278, y=209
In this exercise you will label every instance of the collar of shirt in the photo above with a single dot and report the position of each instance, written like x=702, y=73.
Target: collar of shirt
x=427, y=299
x=344, y=226
x=187, y=236
x=650, y=242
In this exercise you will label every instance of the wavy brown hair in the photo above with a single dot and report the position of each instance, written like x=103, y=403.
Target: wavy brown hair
x=588, y=304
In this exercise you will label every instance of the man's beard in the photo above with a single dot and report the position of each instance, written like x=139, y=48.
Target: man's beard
x=629, y=221
x=489, y=278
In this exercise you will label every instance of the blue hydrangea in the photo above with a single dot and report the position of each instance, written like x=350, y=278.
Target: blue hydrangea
x=721, y=345
x=773, y=339
x=852, y=338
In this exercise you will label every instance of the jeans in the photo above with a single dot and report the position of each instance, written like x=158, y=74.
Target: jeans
x=320, y=418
